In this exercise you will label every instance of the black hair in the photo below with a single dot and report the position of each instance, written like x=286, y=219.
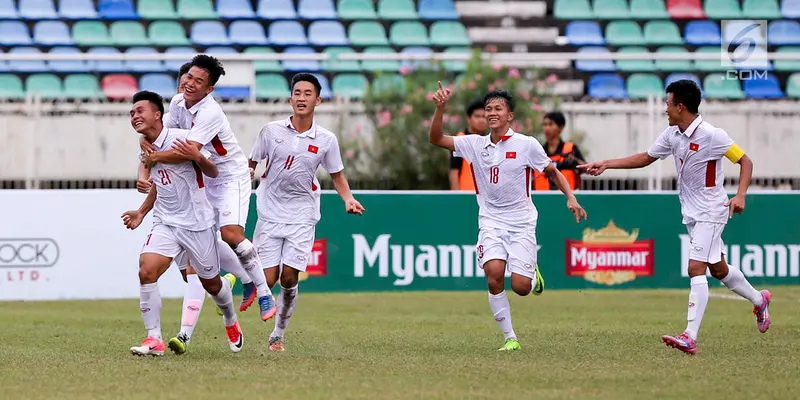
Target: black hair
x=184, y=69
x=306, y=77
x=501, y=94
x=152, y=97
x=474, y=106
x=557, y=117
x=685, y=92
x=211, y=65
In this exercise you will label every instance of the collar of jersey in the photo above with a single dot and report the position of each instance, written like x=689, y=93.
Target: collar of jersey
x=693, y=126
x=502, y=138
x=195, y=108
x=312, y=133
x=159, y=142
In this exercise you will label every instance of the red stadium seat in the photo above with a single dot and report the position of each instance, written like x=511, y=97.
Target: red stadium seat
x=685, y=9
x=119, y=86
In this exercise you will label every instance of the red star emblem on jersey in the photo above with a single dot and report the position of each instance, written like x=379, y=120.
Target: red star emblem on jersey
x=694, y=146
x=313, y=149
x=511, y=154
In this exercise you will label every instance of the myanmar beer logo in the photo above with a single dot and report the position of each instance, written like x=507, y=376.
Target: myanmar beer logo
x=610, y=256
x=318, y=261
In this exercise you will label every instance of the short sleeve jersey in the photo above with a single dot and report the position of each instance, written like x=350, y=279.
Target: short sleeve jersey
x=502, y=174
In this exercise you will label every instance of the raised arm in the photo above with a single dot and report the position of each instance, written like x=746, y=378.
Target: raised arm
x=435, y=134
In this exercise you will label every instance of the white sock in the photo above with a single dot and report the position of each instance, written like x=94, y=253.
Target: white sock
x=737, y=283
x=150, y=305
x=224, y=300
x=287, y=300
x=252, y=264
x=502, y=313
x=698, y=299
x=230, y=262
x=193, y=301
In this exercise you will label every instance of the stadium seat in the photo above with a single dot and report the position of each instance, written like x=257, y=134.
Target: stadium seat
x=768, y=88
x=116, y=9
x=90, y=33
x=106, y=65
x=327, y=33
x=119, y=86
x=792, y=86
x=301, y=65
x=316, y=9
x=723, y=9
x=367, y=33
x=14, y=33
x=51, y=33
x=634, y=65
x=272, y=86
x=648, y=9
x=423, y=51
x=662, y=33
x=162, y=84
x=26, y=65
x=437, y=10
x=388, y=83
x=326, y=92
x=264, y=65
x=396, y=9
x=782, y=33
x=335, y=65
x=196, y=9
x=677, y=76
x=685, y=9
x=77, y=9
x=584, y=33
x=357, y=9
x=702, y=33
x=235, y=9
x=408, y=33
x=67, y=66
x=350, y=86
x=449, y=33
x=37, y=9
x=734, y=28
x=276, y=9
x=607, y=86
x=47, y=86
x=624, y=33
x=456, y=65
x=8, y=11
x=611, y=9
x=790, y=8
x=209, y=33
x=594, y=65
x=247, y=33
x=175, y=65
x=761, y=9
x=143, y=65
x=3, y=64
x=82, y=86
x=788, y=65
x=128, y=33
x=11, y=87
x=641, y=85
x=717, y=86
x=156, y=9
x=382, y=64
x=287, y=33
x=714, y=65
x=573, y=9
x=167, y=33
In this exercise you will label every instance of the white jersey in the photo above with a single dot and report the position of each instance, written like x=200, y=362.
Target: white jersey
x=698, y=154
x=289, y=189
x=210, y=127
x=181, y=198
x=502, y=175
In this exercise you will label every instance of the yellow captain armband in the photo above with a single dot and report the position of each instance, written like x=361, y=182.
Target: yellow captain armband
x=734, y=153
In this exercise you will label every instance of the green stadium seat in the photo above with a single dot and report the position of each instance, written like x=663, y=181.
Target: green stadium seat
x=91, y=33
x=397, y=9
x=196, y=9
x=11, y=87
x=709, y=65
x=408, y=33
x=761, y=9
x=264, y=65
x=643, y=84
x=272, y=86
x=128, y=33
x=723, y=9
x=156, y=9
x=662, y=33
x=82, y=86
x=356, y=9
x=787, y=65
x=793, y=85
x=634, y=65
x=674, y=65
x=351, y=86
x=716, y=86
x=573, y=9
x=611, y=9
x=648, y=9
x=167, y=33
x=449, y=33
x=624, y=33
x=48, y=86
x=380, y=65
x=335, y=65
x=367, y=33
x=388, y=83
x=455, y=65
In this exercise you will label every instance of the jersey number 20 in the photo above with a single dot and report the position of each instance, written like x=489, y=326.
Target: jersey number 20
x=494, y=175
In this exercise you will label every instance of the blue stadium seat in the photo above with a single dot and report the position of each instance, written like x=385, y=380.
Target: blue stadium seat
x=247, y=33
x=116, y=9
x=67, y=66
x=106, y=65
x=734, y=28
x=768, y=88
x=14, y=33
x=26, y=65
x=8, y=10
x=298, y=65
x=37, y=9
x=702, y=33
x=287, y=33
x=677, y=76
x=52, y=33
x=276, y=9
x=595, y=65
x=175, y=65
x=77, y=9
x=3, y=64
x=209, y=33
x=326, y=92
x=232, y=92
x=327, y=33
x=437, y=10
x=143, y=65
x=235, y=9
x=417, y=63
x=162, y=84
x=790, y=8
x=584, y=33
x=607, y=86
x=782, y=33
x=316, y=9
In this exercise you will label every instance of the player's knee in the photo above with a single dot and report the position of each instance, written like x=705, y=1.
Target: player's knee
x=521, y=288
x=697, y=268
x=271, y=274
x=147, y=274
x=232, y=235
x=495, y=284
x=212, y=286
x=289, y=277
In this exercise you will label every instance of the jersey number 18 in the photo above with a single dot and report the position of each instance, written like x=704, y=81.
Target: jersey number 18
x=494, y=175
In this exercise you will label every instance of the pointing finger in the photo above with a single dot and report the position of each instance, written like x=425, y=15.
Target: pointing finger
x=440, y=85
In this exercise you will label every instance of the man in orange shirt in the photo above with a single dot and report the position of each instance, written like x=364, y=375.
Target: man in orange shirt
x=460, y=170
x=565, y=155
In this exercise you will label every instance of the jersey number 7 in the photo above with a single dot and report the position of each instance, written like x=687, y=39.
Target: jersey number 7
x=494, y=175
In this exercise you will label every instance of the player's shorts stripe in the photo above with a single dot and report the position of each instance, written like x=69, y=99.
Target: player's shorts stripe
x=474, y=181
x=218, y=147
x=528, y=181
x=711, y=174
x=198, y=174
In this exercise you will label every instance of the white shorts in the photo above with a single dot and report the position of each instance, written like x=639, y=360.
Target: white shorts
x=201, y=247
x=517, y=249
x=706, y=243
x=182, y=262
x=284, y=244
x=231, y=201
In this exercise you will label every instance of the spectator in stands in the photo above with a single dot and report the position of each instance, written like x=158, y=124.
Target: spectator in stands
x=460, y=171
x=565, y=155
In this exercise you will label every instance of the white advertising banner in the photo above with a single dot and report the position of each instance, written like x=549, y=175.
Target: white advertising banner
x=71, y=244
